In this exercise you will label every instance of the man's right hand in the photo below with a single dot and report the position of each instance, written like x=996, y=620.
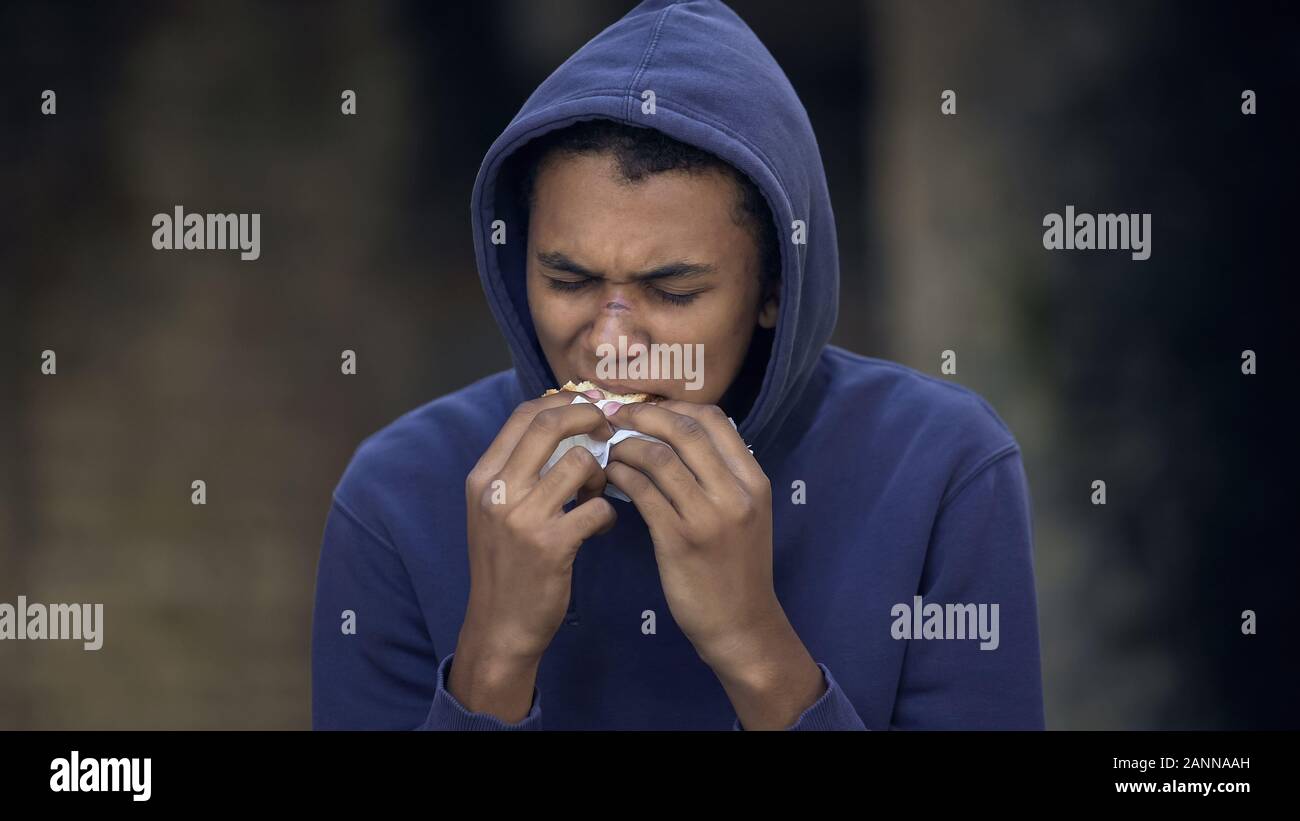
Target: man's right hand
x=522, y=545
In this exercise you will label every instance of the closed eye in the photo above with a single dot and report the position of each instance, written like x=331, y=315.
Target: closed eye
x=674, y=299
x=568, y=284
x=572, y=285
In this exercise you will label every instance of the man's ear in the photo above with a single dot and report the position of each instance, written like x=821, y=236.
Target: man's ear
x=771, y=306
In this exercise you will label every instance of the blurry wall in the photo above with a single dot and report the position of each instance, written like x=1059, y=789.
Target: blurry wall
x=1105, y=367
x=175, y=368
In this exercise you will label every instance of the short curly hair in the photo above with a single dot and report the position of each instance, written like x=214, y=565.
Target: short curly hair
x=640, y=152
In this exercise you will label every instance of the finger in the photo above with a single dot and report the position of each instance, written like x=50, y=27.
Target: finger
x=591, y=518
x=657, y=461
x=594, y=484
x=650, y=502
x=576, y=471
x=494, y=458
x=726, y=439
x=686, y=436
x=544, y=434
x=602, y=432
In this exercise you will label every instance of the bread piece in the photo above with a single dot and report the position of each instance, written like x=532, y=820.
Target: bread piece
x=625, y=398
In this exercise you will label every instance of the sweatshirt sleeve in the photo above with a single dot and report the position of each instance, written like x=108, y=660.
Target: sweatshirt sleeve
x=832, y=711
x=374, y=665
x=981, y=554
x=448, y=714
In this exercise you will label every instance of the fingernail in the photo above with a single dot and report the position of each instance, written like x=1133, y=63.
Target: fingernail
x=593, y=394
x=611, y=407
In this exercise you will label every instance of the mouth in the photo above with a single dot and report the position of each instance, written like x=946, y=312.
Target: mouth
x=625, y=388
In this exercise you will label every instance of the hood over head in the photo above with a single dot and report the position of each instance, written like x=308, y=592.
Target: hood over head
x=715, y=87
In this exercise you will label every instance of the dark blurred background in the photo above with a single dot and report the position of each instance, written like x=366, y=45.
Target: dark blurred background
x=176, y=367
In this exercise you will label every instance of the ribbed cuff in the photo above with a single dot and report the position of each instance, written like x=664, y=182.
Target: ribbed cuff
x=833, y=711
x=449, y=714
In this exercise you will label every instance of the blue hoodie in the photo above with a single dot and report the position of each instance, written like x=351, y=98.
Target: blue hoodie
x=894, y=493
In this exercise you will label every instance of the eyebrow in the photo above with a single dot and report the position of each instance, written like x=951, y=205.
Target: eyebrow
x=557, y=261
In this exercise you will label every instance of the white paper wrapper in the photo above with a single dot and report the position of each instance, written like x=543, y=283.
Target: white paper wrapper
x=601, y=449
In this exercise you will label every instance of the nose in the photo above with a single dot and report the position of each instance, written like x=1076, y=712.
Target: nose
x=616, y=319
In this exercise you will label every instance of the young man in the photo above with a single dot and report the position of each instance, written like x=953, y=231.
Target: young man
x=867, y=566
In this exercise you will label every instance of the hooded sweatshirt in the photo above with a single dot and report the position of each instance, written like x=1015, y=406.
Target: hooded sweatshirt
x=902, y=549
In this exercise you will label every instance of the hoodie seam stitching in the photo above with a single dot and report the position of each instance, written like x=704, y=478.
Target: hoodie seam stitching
x=645, y=59
x=984, y=465
x=617, y=92
x=740, y=138
x=544, y=117
x=347, y=513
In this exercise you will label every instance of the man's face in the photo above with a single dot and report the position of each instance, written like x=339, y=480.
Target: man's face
x=659, y=261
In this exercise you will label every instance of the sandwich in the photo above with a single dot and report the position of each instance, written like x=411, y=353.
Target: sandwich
x=624, y=398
